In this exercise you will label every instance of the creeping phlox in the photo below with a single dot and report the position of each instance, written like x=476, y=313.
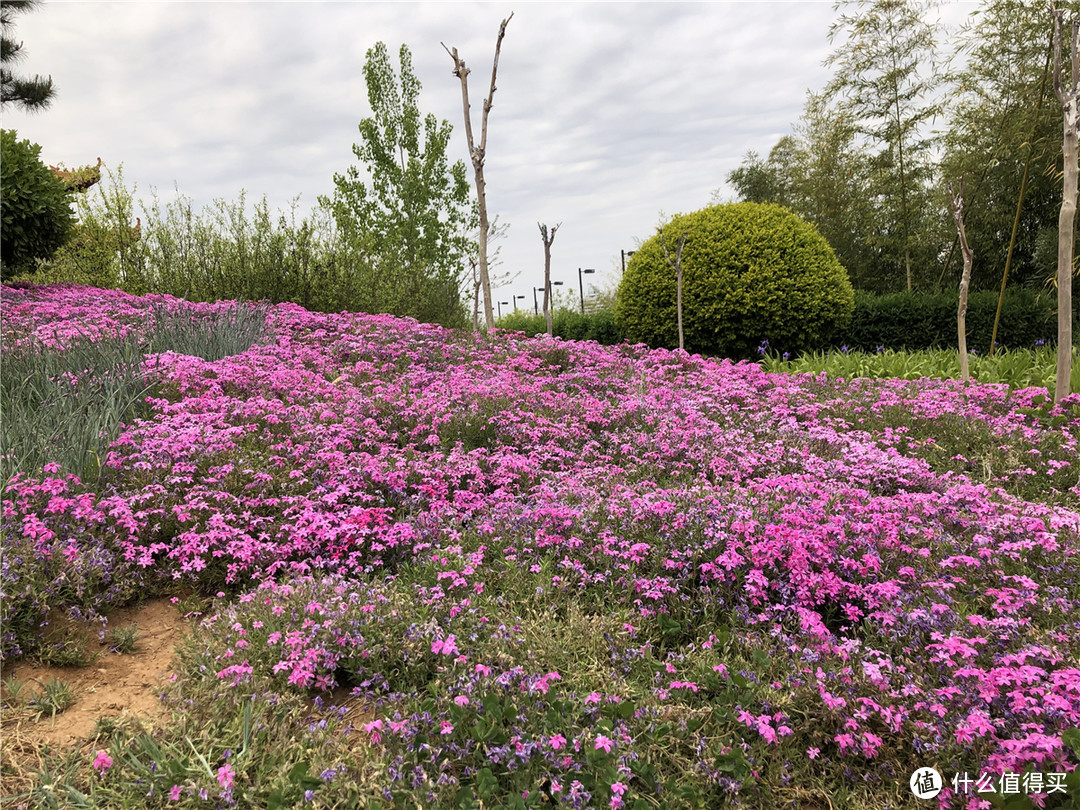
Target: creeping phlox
x=390, y=502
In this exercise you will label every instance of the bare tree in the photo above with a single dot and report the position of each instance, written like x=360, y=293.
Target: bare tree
x=956, y=203
x=1070, y=102
x=478, y=153
x=548, y=237
x=677, y=267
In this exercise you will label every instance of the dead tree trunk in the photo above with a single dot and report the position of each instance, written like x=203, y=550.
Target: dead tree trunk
x=548, y=238
x=956, y=203
x=677, y=266
x=477, y=154
x=1070, y=102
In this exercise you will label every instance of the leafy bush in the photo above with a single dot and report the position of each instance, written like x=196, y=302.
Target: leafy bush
x=36, y=216
x=916, y=321
x=567, y=324
x=236, y=251
x=750, y=272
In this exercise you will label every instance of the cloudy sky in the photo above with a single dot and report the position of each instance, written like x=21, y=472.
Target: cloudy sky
x=606, y=114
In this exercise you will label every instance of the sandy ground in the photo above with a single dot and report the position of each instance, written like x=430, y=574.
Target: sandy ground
x=112, y=685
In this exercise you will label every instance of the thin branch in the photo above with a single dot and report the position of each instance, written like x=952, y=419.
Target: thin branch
x=491, y=92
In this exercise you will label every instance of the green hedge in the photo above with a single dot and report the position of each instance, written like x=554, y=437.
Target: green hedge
x=916, y=321
x=566, y=324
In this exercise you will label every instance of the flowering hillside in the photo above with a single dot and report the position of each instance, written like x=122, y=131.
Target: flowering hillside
x=560, y=574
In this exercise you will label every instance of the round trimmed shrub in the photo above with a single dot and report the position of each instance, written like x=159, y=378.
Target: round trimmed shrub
x=751, y=273
x=34, y=207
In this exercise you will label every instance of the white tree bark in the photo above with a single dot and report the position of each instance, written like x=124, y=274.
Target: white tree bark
x=1070, y=102
x=956, y=203
x=677, y=265
x=477, y=154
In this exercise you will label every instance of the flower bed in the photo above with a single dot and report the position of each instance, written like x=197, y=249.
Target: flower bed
x=583, y=575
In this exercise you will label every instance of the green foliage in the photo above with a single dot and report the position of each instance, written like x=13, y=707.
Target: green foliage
x=750, y=272
x=123, y=640
x=227, y=251
x=879, y=83
x=1004, y=116
x=31, y=94
x=567, y=324
x=411, y=221
x=1017, y=368
x=917, y=321
x=56, y=696
x=34, y=206
x=822, y=173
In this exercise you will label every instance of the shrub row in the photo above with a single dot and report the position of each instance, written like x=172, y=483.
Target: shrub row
x=916, y=321
x=567, y=324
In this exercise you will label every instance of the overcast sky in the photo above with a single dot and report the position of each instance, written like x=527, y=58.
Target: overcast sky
x=606, y=114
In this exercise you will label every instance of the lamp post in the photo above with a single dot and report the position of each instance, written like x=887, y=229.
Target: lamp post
x=516, y=297
x=625, y=254
x=536, y=304
x=499, y=305
x=581, y=284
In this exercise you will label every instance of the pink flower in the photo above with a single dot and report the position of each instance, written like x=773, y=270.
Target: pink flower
x=174, y=793
x=446, y=727
x=461, y=700
x=603, y=742
x=813, y=752
x=103, y=762
x=226, y=776
x=557, y=741
x=373, y=728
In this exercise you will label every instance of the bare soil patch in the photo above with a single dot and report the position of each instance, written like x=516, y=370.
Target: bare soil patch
x=122, y=687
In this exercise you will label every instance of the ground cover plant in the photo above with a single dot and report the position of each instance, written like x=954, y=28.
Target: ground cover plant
x=442, y=569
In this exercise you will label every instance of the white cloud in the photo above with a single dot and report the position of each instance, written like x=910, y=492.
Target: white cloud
x=605, y=113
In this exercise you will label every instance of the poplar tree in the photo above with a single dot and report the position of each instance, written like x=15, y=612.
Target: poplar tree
x=408, y=224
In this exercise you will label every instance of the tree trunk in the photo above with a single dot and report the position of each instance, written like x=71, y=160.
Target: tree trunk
x=548, y=239
x=678, y=280
x=956, y=202
x=477, y=154
x=1070, y=102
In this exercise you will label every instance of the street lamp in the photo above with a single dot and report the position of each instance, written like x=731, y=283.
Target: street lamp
x=516, y=297
x=625, y=255
x=581, y=284
x=536, y=306
x=499, y=304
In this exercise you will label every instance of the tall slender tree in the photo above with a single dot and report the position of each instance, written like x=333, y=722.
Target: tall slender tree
x=956, y=205
x=886, y=79
x=1068, y=93
x=31, y=94
x=477, y=153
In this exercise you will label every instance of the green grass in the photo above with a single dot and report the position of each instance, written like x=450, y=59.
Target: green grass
x=1017, y=368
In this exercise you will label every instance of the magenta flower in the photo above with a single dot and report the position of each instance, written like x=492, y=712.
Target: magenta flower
x=226, y=776
x=603, y=742
x=102, y=762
